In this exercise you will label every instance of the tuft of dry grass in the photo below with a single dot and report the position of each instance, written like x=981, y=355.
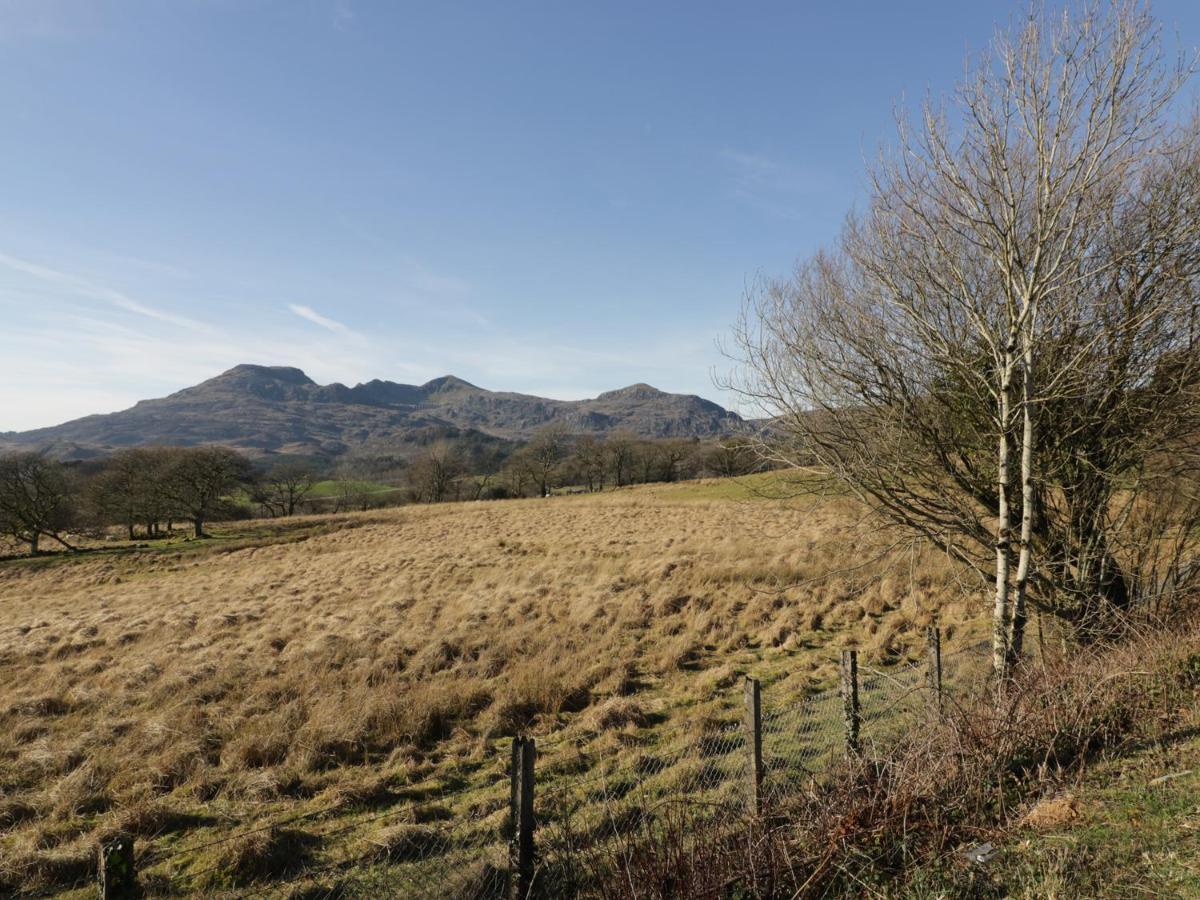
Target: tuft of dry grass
x=403, y=843
x=361, y=657
x=262, y=855
x=617, y=713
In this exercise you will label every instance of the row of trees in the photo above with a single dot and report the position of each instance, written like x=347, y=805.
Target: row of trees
x=148, y=488
x=554, y=458
x=1002, y=352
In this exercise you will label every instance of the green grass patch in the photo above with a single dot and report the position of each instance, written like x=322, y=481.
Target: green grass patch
x=1123, y=831
x=331, y=488
x=778, y=485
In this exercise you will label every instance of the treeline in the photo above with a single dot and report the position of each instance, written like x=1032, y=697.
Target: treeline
x=554, y=459
x=147, y=491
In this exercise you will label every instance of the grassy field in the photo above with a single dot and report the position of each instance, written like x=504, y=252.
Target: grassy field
x=1127, y=828
x=330, y=488
x=1124, y=831
x=339, y=663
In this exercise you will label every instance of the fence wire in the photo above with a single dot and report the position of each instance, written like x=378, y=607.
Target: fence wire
x=590, y=805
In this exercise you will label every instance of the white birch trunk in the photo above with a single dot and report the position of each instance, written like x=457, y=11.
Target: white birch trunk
x=1000, y=606
x=1016, y=633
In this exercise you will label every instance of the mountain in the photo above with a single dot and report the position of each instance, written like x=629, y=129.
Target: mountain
x=279, y=409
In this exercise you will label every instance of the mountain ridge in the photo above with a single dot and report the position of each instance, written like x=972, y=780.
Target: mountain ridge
x=263, y=409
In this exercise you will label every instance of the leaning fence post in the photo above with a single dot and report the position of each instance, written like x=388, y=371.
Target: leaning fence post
x=850, y=711
x=754, y=735
x=521, y=850
x=117, y=872
x=933, y=675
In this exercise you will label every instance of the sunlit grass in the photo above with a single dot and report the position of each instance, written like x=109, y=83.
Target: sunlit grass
x=340, y=663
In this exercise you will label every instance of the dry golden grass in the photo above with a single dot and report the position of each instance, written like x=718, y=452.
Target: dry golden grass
x=182, y=693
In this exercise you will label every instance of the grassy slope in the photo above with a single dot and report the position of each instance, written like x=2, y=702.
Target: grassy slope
x=1113, y=834
x=1133, y=838
x=339, y=663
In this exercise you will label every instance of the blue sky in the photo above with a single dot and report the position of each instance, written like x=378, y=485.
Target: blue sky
x=549, y=197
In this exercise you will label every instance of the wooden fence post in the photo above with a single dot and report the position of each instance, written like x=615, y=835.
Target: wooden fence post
x=933, y=675
x=754, y=740
x=521, y=850
x=850, y=711
x=117, y=872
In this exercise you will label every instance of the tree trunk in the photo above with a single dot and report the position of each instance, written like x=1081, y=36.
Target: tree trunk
x=33, y=544
x=131, y=532
x=1000, y=608
x=1016, y=633
x=198, y=525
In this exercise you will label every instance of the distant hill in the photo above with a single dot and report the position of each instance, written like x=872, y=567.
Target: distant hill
x=278, y=409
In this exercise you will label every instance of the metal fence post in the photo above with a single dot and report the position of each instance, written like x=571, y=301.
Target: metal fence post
x=933, y=674
x=753, y=696
x=521, y=849
x=117, y=871
x=851, y=714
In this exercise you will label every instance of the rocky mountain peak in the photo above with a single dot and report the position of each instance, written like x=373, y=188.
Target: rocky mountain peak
x=639, y=391
x=249, y=372
x=447, y=384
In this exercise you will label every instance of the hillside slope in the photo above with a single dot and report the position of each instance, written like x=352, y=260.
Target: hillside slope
x=280, y=409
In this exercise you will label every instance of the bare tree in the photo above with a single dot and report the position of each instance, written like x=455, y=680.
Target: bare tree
x=350, y=493
x=199, y=480
x=434, y=474
x=730, y=458
x=35, y=499
x=1020, y=293
x=591, y=460
x=518, y=473
x=621, y=446
x=545, y=452
x=485, y=467
x=674, y=456
x=283, y=488
x=118, y=492
x=647, y=461
x=130, y=489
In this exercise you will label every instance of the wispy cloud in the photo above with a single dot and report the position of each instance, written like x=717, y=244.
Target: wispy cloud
x=82, y=287
x=151, y=267
x=772, y=185
x=307, y=312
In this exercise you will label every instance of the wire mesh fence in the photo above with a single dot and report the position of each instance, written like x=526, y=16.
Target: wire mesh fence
x=588, y=804
x=722, y=781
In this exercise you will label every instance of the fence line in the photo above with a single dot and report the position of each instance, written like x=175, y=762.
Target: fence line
x=519, y=832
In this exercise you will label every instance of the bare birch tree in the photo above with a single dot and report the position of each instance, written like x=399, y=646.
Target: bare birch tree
x=1037, y=234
